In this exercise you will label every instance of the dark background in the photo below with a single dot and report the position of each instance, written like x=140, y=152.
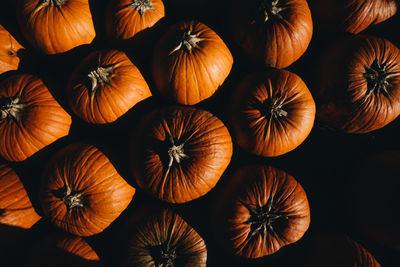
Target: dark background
x=323, y=164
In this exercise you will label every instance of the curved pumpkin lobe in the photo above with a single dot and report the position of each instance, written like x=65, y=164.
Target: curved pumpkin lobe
x=163, y=255
x=377, y=78
x=99, y=76
x=142, y=6
x=56, y=3
x=11, y=108
x=272, y=107
x=268, y=9
x=71, y=198
x=187, y=41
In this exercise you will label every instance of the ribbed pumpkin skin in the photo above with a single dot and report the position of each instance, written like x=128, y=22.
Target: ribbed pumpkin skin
x=41, y=120
x=86, y=171
x=255, y=127
x=123, y=21
x=110, y=100
x=255, y=186
x=146, y=237
x=56, y=29
x=15, y=206
x=9, y=48
x=278, y=42
x=190, y=76
x=207, y=146
x=345, y=99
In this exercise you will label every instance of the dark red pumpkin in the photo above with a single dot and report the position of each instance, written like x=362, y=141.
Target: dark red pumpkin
x=275, y=32
x=259, y=210
x=56, y=26
x=81, y=192
x=179, y=153
x=190, y=62
x=15, y=206
x=271, y=112
x=358, y=85
x=30, y=118
x=112, y=85
x=9, y=49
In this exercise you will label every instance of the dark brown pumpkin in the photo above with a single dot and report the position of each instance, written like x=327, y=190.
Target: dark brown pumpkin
x=9, y=49
x=179, y=153
x=259, y=210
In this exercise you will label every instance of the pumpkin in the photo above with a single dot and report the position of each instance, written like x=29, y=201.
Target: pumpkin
x=271, y=112
x=105, y=86
x=15, y=206
x=332, y=250
x=81, y=191
x=358, y=85
x=179, y=153
x=126, y=18
x=160, y=237
x=9, y=49
x=56, y=26
x=190, y=62
x=275, y=32
x=30, y=118
x=59, y=249
x=259, y=210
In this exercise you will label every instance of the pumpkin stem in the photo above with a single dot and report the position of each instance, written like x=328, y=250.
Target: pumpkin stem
x=11, y=108
x=163, y=255
x=273, y=107
x=176, y=153
x=268, y=9
x=99, y=76
x=72, y=199
x=187, y=41
x=56, y=3
x=378, y=78
x=142, y=6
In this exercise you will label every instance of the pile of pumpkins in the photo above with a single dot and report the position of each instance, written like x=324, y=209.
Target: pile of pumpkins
x=186, y=115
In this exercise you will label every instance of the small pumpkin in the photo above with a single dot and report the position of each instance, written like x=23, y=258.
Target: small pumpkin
x=190, y=62
x=105, y=86
x=259, y=210
x=56, y=26
x=272, y=112
x=358, y=85
x=275, y=32
x=179, y=153
x=15, y=206
x=30, y=118
x=126, y=18
x=9, y=49
x=81, y=191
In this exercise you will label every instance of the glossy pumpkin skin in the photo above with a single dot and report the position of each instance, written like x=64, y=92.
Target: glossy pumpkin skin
x=81, y=191
x=179, y=153
x=271, y=112
x=9, y=48
x=259, y=210
x=276, y=32
x=190, y=62
x=358, y=85
x=105, y=86
x=56, y=26
x=126, y=18
x=162, y=237
x=30, y=118
x=15, y=206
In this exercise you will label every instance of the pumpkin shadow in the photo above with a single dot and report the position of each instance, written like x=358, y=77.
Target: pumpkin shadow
x=97, y=9
x=12, y=243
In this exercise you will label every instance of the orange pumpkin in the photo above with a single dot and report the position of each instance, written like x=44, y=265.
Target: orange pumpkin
x=81, y=192
x=56, y=26
x=112, y=85
x=9, y=48
x=30, y=118
x=190, y=63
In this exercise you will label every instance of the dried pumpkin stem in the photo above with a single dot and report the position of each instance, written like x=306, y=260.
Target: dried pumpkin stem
x=52, y=2
x=187, y=41
x=72, y=199
x=164, y=255
x=268, y=9
x=273, y=107
x=11, y=108
x=142, y=6
x=99, y=76
x=378, y=78
x=175, y=152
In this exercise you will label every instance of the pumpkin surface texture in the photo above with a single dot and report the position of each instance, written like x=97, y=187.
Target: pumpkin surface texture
x=105, y=86
x=9, y=49
x=260, y=210
x=30, y=118
x=81, y=191
x=179, y=153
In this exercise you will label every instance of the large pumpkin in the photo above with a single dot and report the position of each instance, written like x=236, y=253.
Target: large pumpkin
x=9, y=49
x=126, y=18
x=190, y=63
x=275, y=32
x=179, y=153
x=259, y=210
x=358, y=85
x=271, y=112
x=56, y=26
x=15, y=206
x=81, y=192
x=105, y=86
x=30, y=118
